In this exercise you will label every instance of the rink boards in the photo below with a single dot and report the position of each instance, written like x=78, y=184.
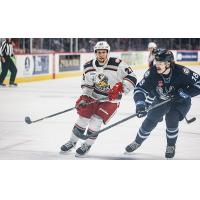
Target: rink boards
x=37, y=67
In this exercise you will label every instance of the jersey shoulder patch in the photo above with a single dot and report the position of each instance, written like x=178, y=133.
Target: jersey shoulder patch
x=88, y=64
x=186, y=71
x=114, y=61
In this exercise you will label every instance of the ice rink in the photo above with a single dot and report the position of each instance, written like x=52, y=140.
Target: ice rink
x=42, y=140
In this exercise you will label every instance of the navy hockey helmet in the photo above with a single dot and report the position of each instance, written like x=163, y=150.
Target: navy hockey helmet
x=164, y=55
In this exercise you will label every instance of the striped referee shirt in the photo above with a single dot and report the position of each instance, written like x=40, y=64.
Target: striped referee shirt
x=6, y=49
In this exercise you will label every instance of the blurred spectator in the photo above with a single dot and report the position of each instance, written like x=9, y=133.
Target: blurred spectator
x=117, y=44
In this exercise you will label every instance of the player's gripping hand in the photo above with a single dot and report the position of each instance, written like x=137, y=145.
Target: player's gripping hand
x=82, y=102
x=115, y=91
x=141, y=109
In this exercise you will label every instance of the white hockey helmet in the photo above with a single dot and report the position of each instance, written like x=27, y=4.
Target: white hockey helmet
x=152, y=45
x=102, y=45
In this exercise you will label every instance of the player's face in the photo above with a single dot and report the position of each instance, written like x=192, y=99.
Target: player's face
x=150, y=49
x=161, y=67
x=101, y=55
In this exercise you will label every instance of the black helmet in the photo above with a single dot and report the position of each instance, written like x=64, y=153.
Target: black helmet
x=164, y=55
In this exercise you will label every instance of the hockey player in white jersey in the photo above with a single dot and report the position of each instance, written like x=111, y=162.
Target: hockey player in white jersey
x=104, y=80
x=152, y=51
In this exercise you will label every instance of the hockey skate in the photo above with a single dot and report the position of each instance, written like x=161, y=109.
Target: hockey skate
x=170, y=152
x=2, y=85
x=13, y=85
x=81, y=151
x=68, y=146
x=132, y=147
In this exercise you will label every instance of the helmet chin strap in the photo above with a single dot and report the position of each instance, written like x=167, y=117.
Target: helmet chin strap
x=166, y=68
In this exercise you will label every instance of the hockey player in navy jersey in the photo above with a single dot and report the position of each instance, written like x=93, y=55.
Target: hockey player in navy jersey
x=104, y=80
x=164, y=80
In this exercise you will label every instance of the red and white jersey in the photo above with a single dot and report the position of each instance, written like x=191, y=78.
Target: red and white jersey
x=98, y=80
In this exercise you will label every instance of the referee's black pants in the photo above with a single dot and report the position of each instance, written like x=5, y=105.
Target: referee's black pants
x=8, y=65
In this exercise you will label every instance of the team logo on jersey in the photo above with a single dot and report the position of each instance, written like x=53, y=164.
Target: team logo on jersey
x=160, y=83
x=164, y=93
x=146, y=74
x=186, y=71
x=101, y=82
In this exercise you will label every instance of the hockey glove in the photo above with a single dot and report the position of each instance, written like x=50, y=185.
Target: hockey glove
x=82, y=101
x=115, y=91
x=141, y=109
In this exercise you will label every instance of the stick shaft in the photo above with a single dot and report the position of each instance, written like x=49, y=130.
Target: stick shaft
x=49, y=116
x=84, y=137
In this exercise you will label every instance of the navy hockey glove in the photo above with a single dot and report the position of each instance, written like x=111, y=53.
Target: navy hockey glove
x=141, y=109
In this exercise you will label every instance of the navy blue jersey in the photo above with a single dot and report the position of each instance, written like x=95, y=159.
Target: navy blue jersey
x=165, y=86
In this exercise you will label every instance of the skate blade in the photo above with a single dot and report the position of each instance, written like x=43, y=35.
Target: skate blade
x=65, y=152
x=81, y=156
x=128, y=153
x=169, y=158
x=78, y=155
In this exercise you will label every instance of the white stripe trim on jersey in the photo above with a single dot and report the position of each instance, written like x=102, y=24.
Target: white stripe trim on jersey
x=127, y=79
x=112, y=66
x=89, y=69
x=197, y=84
x=140, y=89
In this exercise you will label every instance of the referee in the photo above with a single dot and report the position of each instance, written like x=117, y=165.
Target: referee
x=6, y=52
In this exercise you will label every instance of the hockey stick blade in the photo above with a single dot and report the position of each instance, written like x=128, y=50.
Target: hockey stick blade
x=190, y=120
x=28, y=120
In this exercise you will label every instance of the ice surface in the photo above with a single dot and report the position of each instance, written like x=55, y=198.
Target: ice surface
x=42, y=140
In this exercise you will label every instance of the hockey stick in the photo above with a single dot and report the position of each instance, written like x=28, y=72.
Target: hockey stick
x=29, y=121
x=190, y=120
x=84, y=137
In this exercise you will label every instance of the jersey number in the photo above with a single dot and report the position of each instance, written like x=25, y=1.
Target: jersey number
x=195, y=77
x=128, y=70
